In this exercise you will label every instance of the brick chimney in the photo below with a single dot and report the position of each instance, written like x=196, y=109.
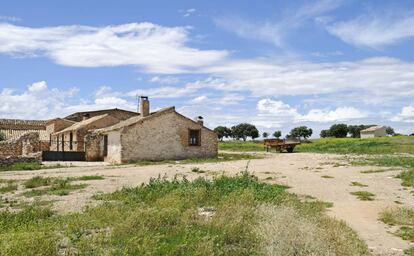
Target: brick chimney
x=144, y=106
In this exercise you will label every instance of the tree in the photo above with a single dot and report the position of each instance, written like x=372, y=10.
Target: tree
x=325, y=134
x=2, y=136
x=277, y=134
x=300, y=132
x=338, y=130
x=243, y=131
x=222, y=132
x=265, y=135
x=390, y=131
x=355, y=130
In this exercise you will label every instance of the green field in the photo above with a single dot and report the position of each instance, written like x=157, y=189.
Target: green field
x=386, y=145
x=242, y=146
x=179, y=217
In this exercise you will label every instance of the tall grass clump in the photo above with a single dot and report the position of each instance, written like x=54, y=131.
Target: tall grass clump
x=403, y=218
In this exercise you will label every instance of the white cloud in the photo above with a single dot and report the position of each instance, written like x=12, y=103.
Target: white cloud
x=39, y=101
x=154, y=48
x=406, y=115
x=189, y=12
x=273, y=113
x=9, y=18
x=276, y=31
x=372, y=81
x=375, y=30
x=339, y=114
x=164, y=79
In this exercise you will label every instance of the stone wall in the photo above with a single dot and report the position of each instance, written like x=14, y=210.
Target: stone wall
x=10, y=160
x=94, y=147
x=27, y=144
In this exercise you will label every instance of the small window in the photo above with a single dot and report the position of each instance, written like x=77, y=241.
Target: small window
x=71, y=141
x=194, y=138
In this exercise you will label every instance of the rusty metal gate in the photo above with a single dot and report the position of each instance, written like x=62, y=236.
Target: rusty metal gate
x=61, y=150
x=63, y=156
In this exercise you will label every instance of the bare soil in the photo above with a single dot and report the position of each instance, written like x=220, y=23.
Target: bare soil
x=302, y=172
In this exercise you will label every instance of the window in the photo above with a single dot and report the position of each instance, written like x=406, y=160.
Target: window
x=71, y=141
x=105, y=153
x=63, y=142
x=194, y=137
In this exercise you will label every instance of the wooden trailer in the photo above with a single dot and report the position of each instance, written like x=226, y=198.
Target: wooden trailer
x=280, y=145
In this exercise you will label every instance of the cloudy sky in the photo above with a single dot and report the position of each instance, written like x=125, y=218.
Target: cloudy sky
x=276, y=64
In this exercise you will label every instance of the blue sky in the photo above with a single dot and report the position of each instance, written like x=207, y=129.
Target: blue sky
x=276, y=64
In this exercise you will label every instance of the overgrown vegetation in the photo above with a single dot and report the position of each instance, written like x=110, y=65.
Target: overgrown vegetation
x=61, y=187
x=9, y=186
x=184, y=218
x=403, y=218
x=363, y=195
x=385, y=145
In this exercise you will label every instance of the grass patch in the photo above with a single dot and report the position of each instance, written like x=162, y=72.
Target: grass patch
x=221, y=216
x=242, y=146
x=376, y=171
x=197, y=170
x=91, y=177
x=37, y=181
x=363, y=195
x=9, y=187
x=327, y=177
x=60, y=187
x=409, y=252
x=357, y=184
x=407, y=178
x=21, y=167
x=403, y=218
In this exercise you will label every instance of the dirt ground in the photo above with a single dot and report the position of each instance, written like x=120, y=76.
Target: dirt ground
x=302, y=172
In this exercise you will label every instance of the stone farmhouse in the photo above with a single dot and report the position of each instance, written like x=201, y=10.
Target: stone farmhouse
x=374, y=131
x=118, y=136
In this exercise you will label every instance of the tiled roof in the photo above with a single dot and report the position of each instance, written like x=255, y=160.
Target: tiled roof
x=19, y=124
x=373, y=128
x=12, y=134
x=134, y=120
x=82, y=124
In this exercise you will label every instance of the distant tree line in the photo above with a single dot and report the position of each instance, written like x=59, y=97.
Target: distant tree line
x=354, y=131
x=244, y=131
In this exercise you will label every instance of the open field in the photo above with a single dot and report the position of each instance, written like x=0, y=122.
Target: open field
x=301, y=172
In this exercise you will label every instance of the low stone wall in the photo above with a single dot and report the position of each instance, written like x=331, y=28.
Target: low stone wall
x=25, y=145
x=10, y=160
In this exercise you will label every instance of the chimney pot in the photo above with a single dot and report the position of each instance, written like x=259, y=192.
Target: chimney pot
x=144, y=106
x=199, y=120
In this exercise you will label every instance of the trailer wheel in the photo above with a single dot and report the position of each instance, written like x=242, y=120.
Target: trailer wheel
x=290, y=149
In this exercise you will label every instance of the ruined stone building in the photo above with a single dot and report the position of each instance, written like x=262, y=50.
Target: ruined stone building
x=118, y=136
x=15, y=128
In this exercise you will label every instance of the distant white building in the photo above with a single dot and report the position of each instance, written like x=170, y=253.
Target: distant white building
x=374, y=131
